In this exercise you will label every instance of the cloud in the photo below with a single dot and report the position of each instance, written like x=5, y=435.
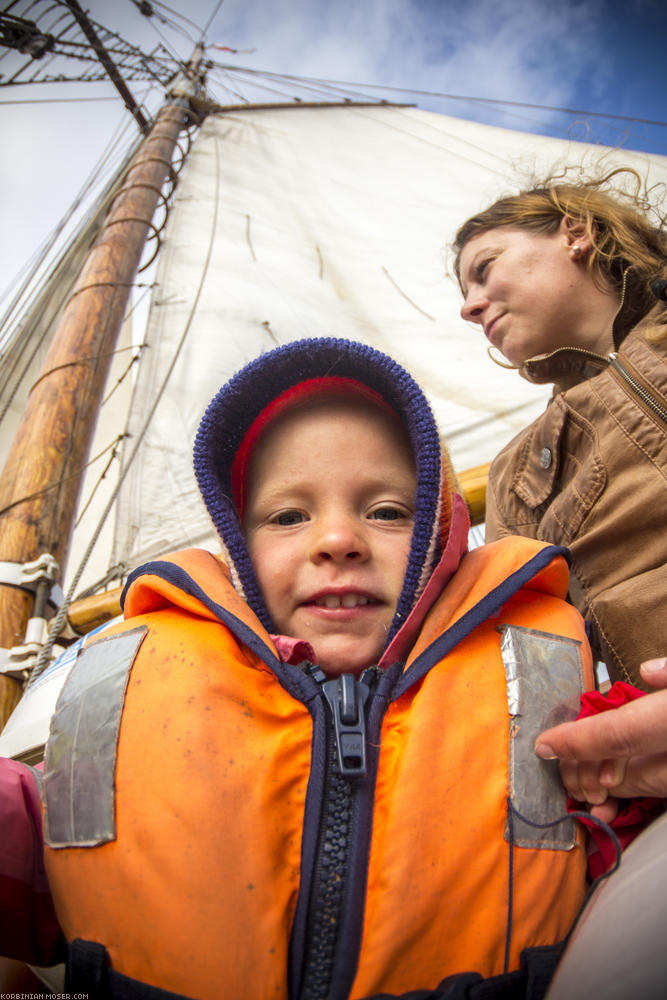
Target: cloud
x=516, y=50
x=508, y=49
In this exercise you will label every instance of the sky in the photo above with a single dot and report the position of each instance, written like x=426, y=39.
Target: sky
x=605, y=57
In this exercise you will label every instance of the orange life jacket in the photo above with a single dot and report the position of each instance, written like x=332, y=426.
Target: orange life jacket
x=194, y=794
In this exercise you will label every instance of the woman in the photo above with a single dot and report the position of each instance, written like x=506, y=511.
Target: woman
x=560, y=278
x=567, y=281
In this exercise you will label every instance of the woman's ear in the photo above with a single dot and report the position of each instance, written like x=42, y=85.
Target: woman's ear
x=577, y=236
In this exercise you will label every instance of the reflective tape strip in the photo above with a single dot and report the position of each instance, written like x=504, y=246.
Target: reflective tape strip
x=80, y=762
x=545, y=678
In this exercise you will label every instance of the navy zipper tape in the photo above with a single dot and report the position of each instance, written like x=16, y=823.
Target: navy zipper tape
x=295, y=682
x=477, y=615
x=352, y=914
x=309, y=841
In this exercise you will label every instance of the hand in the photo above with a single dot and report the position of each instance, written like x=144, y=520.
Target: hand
x=617, y=754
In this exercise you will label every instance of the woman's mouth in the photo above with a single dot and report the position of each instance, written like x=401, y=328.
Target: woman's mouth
x=490, y=329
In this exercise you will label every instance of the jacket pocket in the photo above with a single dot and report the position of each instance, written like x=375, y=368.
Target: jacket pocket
x=561, y=472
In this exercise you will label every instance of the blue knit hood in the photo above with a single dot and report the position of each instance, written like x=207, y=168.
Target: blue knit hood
x=237, y=404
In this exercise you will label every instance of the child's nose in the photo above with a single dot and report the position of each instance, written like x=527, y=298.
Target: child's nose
x=340, y=540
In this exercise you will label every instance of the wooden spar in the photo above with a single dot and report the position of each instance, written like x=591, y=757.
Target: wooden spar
x=40, y=484
x=473, y=485
x=108, y=64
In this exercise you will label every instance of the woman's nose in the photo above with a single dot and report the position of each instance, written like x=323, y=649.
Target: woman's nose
x=474, y=305
x=339, y=539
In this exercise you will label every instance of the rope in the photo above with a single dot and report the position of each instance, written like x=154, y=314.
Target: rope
x=59, y=482
x=579, y=814
x=102, y=476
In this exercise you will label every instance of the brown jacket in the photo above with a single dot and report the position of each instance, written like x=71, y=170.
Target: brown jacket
x=590, y=473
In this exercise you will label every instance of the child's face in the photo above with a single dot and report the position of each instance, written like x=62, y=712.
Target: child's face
x=329, y=519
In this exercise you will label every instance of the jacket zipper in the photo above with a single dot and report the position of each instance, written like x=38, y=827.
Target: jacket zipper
x=631, y=379
x=345, y=699
x=639, y=388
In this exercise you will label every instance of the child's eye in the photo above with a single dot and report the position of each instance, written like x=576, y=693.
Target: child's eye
x=286, y=518
x=389, y=512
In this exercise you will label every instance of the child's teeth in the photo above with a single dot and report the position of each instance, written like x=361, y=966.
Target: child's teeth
x=346, y=601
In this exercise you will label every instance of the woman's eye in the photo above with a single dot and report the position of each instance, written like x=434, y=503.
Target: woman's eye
x=389, y=513
x=482, y=268
x=286, y=518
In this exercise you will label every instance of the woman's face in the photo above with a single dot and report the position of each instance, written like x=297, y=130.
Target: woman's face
x=532, y=292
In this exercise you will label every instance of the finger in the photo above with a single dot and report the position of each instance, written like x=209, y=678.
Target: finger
x=644, y=776
x=637, y=728
x=589, y=779
x=612, y=772
x=608, y=811
x=654, y=672
x=569, y=773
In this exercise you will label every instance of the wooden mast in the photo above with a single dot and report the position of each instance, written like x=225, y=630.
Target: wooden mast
x=40, y=483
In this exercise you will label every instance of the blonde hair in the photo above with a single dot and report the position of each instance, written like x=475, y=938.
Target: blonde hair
x=622, y=218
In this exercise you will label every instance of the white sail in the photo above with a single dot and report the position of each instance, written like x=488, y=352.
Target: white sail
x=332, y=221
x=297, y=222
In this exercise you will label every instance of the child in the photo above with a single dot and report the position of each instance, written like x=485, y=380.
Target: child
x=304, y=771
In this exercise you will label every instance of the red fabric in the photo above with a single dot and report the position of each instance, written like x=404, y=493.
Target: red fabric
x=29, y=929
x=634, y=815
x=320, y=388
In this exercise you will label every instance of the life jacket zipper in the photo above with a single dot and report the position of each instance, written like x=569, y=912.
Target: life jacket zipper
x=638, y=387
x=345, y=699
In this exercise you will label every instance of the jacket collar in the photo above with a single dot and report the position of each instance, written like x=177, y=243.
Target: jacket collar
x=565, y=367
x=570, y=365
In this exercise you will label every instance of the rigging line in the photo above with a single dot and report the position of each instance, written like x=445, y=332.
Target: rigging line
x=142, y=63
x=121, y=378
x=272, y=90
x=48, y=244
x=463, y=97
x=319, y=90
x=210, y=20
x=47, y=61
x=58, y=622
x=164, y=20
x=60, y=100
x=538, y=107
x=56, y=485
x=176, y=13
x=445, y=135
x=110, y=152
x=304, y=83
x=228, y=88
x=277, y=77
x=428, y=142
x=165, y=44
x=101, y=477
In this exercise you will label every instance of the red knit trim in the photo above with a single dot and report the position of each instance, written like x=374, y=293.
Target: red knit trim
x=328, y=385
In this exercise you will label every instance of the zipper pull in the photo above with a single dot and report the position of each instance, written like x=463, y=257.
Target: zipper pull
x=346, y=697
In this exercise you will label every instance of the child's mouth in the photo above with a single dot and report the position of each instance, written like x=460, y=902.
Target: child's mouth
x=350, y=600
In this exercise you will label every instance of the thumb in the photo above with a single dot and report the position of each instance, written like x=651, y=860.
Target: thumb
x=654, y=672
